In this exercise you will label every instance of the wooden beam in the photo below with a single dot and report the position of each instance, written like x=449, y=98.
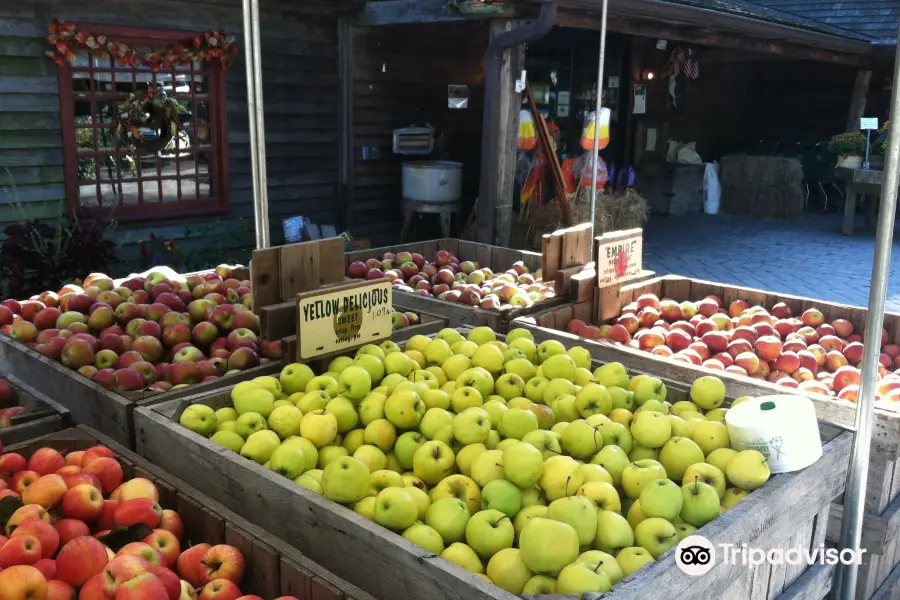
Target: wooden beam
x=858, y=99
x=397, y=12
x=346, y=163
x=510, y=103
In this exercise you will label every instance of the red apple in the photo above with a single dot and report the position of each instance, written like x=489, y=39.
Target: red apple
x=190, y=567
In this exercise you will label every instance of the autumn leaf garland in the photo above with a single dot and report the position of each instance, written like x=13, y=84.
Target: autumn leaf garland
x=66, y=38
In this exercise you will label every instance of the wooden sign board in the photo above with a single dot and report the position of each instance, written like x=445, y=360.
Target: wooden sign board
x=619, y=256
x=340, y=318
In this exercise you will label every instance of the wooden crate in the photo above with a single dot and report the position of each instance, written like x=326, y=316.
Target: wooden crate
x=279, y=273
x=789, y=511
x=273, y=568
x=92, y=404
x=458, y=315
x=42, y=415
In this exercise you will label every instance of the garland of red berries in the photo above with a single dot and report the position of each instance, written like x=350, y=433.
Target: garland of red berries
x=65, y=38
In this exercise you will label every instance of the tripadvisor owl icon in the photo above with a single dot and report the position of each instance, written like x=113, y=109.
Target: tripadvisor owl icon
x=695, y=555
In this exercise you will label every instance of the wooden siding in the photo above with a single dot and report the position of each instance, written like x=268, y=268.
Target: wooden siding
x=300, y=83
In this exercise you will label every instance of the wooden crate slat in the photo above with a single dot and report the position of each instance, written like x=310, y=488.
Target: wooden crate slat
x=295, y=581
x=268, y=569
x=299, y=270
x=265, y=271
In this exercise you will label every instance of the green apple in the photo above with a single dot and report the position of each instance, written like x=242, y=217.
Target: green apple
x=455, y=366
x=344, y=412
x=371, y=456
x=508, y=571
x=294, y=378
x=651, y=429
x=488, y=532
x=319, y=427
x=388, y=346
x=461, y=488
x=614, y=460
x=720, y=458
x=425, y=537
x=339, y=364
x=613, y=532
x=556, y=388
x=260, y=446
x=391, y=381
x=564, y=409
x=489, y=358
x=482, y=335
x=434, y=420
x=526, y=514
x=716, y=414
x=502, y=495
x=224, y=415
x=465, y=397
x=661, y=498
x=399, y=363
x=235, y=427
x=435, y=399
x=733, y=496
x=433, y=461
x=710, y=436
x=748, y=470
x=559, y=366
x=471, y=426
x=656, y=535
x=254, y=399
x=523, y=464
x=465, y=347
x=637, y=475
x=580, y=579
x=310, y=483
x=740, y=399
x=366, y=506
x=546, y=442
x=509, y=386
x=621, y=415
x=200, y=418
x=439, y=375
x=404, y=409
x=448, y=516
x=583, y=376
x=517, y=422
x=393, y=464
x=373, y=365
x=478, y=378
x=518, y=333
x=371, y=349
x=323, y=383
x=436, y=352
x=593, y=399
x=445, y=435
x=535, y=388
x=612, y=375
x=384, y=479
x=487, y=467
x=539, y=584
x=639, y=452
x=229, y=439
x=327, y=454
x=562, y=477
x=467, y=455
x=353, y=440
x=521, y=367
x=594, y=472
x=708, y=392
x=354, y=381
x=581, y=440
x=495, y=410
x=684, y=530
x=700, y=503
x=601, y=494
x=621, y=397
x=652, y=404
x=579, y=512
x=406, y=446
x=684, y=406
x=395, y=509
x=635, y=515
x=616, y=434
x=463, y=556
x=632, y=559
x=647, y=387
x=601, y=562
x=309, y=449
x=423, y=500
x=492, y=440
x=418, y=342
x=380, y=433
x=545, y=416
x=526, y=346
x=314, y=400
x=581, y=356
x=450, y=335
x=547, y=545
x=678, y=454
x=680, y=427
x=288, y=460
x=345, y=480
x=707, y=474
x=549, y=348
x=506, y=444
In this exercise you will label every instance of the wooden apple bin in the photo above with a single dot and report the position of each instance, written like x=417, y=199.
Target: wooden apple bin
x=273, y=568
x=41, y=416
x=790, y=511
x=880, y=571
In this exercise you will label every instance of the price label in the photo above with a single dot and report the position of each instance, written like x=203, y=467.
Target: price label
x=868, y=123
x=341, y=318
x=619, y=256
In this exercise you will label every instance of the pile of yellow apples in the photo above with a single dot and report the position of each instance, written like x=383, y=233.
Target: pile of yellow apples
x=511, y=459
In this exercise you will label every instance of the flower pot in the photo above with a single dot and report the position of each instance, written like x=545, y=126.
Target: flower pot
x=850, y=161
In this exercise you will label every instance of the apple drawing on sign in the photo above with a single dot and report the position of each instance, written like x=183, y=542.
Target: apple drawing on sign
x=347, y=324
x=621, y=264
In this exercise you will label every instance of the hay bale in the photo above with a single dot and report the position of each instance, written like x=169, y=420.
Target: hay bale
x=762, y=186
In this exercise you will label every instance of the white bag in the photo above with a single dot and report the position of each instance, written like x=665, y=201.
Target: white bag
x=712, y=190
x=687, y=155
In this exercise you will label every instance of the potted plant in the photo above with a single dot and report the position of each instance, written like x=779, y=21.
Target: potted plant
x=849, y=148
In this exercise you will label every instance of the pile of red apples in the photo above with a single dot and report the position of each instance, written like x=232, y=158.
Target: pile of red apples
x=450, y=279
x=9, y=399
x=146, y=334
x=801, y=352
x=76, y=529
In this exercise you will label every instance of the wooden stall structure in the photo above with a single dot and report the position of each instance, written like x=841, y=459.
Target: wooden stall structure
x=789, y=511
x=880, y=572
x=273, y=568
x=41, y=414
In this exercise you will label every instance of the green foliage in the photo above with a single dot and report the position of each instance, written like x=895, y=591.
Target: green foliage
x=853, y=143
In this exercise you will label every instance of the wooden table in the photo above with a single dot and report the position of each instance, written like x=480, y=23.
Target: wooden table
x=860, y=181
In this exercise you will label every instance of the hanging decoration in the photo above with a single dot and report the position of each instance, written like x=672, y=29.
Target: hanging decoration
x=148, y=121
x=216, y=46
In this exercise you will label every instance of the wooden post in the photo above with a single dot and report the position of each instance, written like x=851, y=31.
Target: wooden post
x=345, y=122
x=858, y=99
x=508, y=122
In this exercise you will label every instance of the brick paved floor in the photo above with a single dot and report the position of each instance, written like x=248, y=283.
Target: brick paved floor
x=807, y=257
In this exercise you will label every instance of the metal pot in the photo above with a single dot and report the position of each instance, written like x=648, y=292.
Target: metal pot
x=435, y=181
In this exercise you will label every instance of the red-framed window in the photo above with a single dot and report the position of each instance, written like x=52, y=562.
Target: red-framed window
x=103, y=172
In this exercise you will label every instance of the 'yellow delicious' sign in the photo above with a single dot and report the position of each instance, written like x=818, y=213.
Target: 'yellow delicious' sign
x=339, y=318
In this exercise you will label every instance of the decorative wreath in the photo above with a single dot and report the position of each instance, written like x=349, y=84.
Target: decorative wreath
x=142, y=114
x=210, y=47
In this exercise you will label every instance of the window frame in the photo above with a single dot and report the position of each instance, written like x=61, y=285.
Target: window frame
x=149, y=211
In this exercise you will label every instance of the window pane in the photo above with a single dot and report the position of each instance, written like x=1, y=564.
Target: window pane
x=151, y=191
x=188, y=190
x=87, y=195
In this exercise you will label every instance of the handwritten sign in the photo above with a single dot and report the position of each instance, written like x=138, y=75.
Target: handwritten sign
x=343, y=317
x=619, y=256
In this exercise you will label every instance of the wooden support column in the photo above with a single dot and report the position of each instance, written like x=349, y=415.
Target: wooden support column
x=858, y=99
x=508, y=122
x=345, y=123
